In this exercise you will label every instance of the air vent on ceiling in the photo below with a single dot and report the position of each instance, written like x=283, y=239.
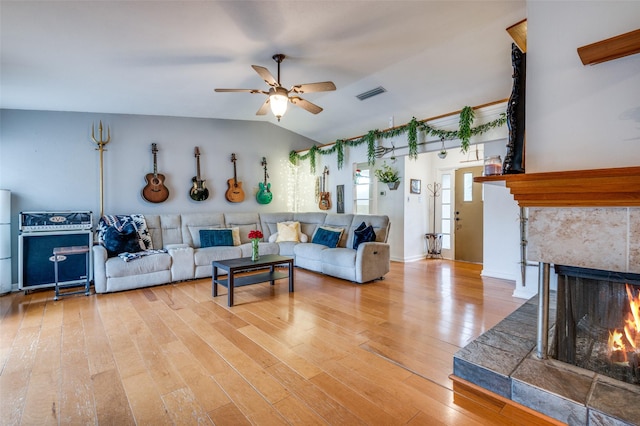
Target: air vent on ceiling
x=370, y=93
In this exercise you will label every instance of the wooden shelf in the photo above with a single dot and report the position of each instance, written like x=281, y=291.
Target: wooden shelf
x=619, y=187
x=611, y=48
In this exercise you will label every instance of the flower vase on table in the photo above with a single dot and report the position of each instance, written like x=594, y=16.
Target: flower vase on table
x=255, y=236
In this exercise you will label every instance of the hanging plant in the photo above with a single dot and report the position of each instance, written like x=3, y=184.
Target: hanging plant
x=464, y=132
x=412, y=137
x=340, y=150
x=371, y=138
x=312, y=158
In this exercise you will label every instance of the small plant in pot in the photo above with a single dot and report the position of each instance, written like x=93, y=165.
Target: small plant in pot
x=389, y=175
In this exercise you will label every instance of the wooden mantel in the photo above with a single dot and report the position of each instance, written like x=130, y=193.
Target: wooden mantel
x=618, y=187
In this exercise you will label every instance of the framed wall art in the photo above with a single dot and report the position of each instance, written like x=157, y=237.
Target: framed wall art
x=416, y=186
x=340, y=198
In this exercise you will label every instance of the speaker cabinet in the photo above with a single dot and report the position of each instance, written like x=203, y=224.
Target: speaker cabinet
x=35, y=252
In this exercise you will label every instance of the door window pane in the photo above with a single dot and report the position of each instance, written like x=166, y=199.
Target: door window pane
x=445, y=219
x=468, y=187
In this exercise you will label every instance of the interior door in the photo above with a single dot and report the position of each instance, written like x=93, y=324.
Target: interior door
x=468, y=215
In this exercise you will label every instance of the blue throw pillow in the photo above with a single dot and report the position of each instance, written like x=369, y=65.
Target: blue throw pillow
x=363, y=234
x=216, y=237
x=327, y=237
x=125, y=240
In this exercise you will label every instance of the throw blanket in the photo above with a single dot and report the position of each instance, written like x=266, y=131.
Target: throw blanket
x=127, y=257
x=120, y=221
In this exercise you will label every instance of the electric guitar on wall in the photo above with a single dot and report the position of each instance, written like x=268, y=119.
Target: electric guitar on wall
x=155, y=191
x=234, y=194
x=325, y=196
x=264, y=195
x=198, y=191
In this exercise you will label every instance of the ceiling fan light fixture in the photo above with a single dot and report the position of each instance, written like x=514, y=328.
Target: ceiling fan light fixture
x=278, y=100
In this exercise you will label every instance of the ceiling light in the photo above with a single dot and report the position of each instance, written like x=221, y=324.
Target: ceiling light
x=278, y=100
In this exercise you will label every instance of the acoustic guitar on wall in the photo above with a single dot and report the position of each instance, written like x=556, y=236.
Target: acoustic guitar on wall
x=234, y=194
x=325, y=196
x=264, y=195
x=198, y=191
x=155, y=191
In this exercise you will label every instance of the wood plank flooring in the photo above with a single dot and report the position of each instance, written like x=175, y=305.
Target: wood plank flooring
x=333, y=352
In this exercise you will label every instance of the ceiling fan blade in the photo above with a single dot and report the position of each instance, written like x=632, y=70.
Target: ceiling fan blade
x=264, y=108
x=266, y=75
x=324, y=86
x=304, y=104
x=242, y=90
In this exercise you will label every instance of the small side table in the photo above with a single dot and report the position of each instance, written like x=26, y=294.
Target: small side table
x=70, y=251
x=434, y=245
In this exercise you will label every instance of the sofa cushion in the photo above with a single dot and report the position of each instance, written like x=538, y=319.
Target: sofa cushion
x=288, y=231
x=204, y=256
x=380, y=224
x=269, y=222
x=247, y=222
x=343, y=221
x=216, y=237
x=339, y=256
x=192, y=223
x=274, y=237
x=137, y=221
x=121, y=240
x=363, y=234
x=116, y=267
x=327, y=236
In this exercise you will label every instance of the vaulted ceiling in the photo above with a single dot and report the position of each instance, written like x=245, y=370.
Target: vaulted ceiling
x=166, y=57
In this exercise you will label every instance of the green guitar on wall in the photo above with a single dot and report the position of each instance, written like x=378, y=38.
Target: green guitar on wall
x=264, y=195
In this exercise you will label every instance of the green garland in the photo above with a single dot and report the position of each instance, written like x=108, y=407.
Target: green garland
x=464, y=133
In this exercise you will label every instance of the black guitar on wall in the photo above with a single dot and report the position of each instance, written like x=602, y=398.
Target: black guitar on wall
x=198, y=191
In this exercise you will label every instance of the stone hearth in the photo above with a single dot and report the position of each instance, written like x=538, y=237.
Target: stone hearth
x=503, y=361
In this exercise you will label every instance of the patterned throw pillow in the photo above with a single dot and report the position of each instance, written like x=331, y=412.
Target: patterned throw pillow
x=120, y=221
x=327, y=236
x=216, y=237
x=363, y=234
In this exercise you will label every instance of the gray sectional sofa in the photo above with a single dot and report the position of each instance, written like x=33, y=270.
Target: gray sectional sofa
x=185, y=259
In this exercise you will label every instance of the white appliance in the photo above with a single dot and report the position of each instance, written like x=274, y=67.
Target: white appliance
x=5, y=241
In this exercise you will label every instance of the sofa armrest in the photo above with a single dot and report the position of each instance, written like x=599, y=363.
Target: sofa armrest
x=372, y=261
x=99, y=269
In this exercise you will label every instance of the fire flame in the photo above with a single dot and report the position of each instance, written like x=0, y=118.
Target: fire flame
x=622, y=342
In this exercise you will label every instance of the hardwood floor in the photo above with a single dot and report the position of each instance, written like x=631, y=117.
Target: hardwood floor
x=333, y=352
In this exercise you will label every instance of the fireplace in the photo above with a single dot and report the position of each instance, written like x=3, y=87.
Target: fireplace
x=598, y=322
x=589, y=219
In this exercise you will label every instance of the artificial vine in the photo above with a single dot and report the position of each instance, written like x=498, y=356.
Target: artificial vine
x=464, y=133
x=371, y=138
x=412, y=137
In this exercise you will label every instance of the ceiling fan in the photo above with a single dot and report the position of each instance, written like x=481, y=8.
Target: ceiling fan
x=278, y=96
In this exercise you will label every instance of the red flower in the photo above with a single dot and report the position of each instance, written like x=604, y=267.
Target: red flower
x=255, y=234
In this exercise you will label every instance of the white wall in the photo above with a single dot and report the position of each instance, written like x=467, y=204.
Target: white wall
x=580, y=117
x=49, y=162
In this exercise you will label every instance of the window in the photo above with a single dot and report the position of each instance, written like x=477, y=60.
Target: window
x=468, y=187
x=363, y=189
x=445, y=216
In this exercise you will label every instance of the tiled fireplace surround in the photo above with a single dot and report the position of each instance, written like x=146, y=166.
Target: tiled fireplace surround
x=503, y=360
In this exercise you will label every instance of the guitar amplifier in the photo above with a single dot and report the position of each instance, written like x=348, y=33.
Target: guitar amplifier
x=40, y=233
x=36, y=261
x=55, y=221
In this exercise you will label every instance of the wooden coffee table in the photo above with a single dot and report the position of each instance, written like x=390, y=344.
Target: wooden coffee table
x=245, y=264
